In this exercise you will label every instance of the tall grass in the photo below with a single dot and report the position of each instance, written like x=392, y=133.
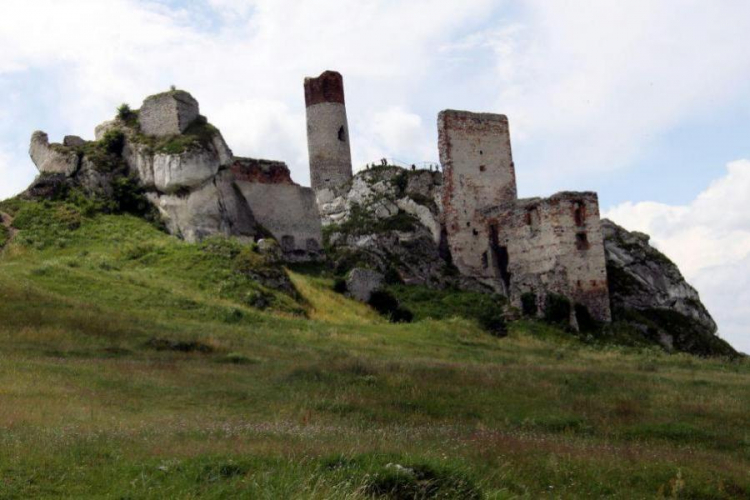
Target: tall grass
x=132, y=366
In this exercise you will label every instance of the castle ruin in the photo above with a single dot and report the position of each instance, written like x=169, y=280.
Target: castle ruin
x=517, y=246
x=522, y=248
x=327, y=132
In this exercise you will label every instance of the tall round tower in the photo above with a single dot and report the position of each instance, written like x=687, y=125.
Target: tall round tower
x=327, y=131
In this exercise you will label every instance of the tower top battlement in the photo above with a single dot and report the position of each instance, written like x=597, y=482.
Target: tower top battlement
x=328, y=87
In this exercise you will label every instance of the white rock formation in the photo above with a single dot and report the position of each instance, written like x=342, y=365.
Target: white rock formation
x=52, y=159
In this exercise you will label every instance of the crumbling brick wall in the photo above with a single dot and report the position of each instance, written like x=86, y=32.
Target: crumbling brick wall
x=327, y=132
x=478, y=173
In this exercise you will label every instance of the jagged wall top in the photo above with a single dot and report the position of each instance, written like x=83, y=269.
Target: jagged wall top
x=168, y=113
x=328, y=87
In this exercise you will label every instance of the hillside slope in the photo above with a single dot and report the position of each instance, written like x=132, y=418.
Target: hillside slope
x=135, y=365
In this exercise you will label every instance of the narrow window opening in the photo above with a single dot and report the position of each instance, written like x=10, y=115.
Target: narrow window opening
x=582, y=241
x=500, y=258
x=579, y=213
x=482, y=168
x=484, y=261
x=342, y=134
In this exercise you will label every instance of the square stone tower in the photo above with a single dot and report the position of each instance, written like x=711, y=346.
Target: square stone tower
x=169, y=113
x=478, y=174
x=327, y=132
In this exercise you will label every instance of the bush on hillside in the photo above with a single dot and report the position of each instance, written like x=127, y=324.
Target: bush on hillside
x=387, y=305
x=557, y=309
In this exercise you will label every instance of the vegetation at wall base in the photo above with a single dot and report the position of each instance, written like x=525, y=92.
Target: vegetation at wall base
x=135, y=365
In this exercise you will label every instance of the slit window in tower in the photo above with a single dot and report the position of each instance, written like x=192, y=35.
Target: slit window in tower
x=342, y=134
x=582, y=241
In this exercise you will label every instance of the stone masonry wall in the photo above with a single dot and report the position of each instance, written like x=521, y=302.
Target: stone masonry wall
x=261, y=171
x=170, y=113
x=327, y=132
x=550, y=245
x=478, y=173
x=288, y=211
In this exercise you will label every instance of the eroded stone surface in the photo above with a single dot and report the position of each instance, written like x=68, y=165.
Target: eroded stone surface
x=169, y=113
x=641, y=277
x=537, y=246
x=362, y=282
x=52, y=158
x=215, y=208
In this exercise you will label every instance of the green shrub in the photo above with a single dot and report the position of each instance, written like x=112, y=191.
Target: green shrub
x=557, y=309
x=4, y=235
x=586, y=323
x=528, y=304
x=387, y=305
x=429, y=303
x=124, y=112
x=339, y=285
x=113, y=141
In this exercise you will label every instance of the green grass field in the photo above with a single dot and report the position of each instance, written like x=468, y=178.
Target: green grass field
x=133, y=365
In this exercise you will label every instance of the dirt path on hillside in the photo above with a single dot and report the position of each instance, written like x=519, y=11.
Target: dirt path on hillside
x=7, y=221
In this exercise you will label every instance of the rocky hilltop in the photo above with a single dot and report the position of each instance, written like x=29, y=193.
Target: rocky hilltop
x=648, y=290
x=388, y=219
x=386, y=225
x=169, y=159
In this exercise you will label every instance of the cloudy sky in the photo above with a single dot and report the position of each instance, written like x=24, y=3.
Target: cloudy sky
x=645, y=101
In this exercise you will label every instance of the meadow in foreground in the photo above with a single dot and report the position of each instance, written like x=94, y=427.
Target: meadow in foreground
x=133, y=365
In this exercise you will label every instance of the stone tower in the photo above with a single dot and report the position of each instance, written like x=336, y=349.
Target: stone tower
x=478, y=174
x=327, y=132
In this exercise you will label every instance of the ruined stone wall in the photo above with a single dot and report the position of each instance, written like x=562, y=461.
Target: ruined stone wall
x=550, y=245
x=288, y=211
x=261, y=171
x=478, y=174
x=327, y=132
x=169, y=113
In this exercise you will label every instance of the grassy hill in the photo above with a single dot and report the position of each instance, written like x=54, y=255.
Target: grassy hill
x=133, y=365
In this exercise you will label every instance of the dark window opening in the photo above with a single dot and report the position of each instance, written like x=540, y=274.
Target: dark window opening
x=287, y=243
x=582, y=241
x=444, y=248
x=468, y=224
x=342, y=134
x=484, y=261
x=500, y=258
x=579, y=213
x=482, y=168
x=481, y=152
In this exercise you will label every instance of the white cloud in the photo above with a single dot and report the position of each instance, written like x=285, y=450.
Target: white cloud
x=94, y=55
x=589, y=86
x=709, y=239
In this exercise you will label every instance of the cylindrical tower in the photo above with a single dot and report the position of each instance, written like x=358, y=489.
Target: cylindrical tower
x=327, y=131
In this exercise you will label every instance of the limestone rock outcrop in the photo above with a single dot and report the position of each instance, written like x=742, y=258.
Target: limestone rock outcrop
x=648, y=290
x=215, y=208
x=387, y=219
x=362, y=282
x=52, y=158
x=183, y=168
